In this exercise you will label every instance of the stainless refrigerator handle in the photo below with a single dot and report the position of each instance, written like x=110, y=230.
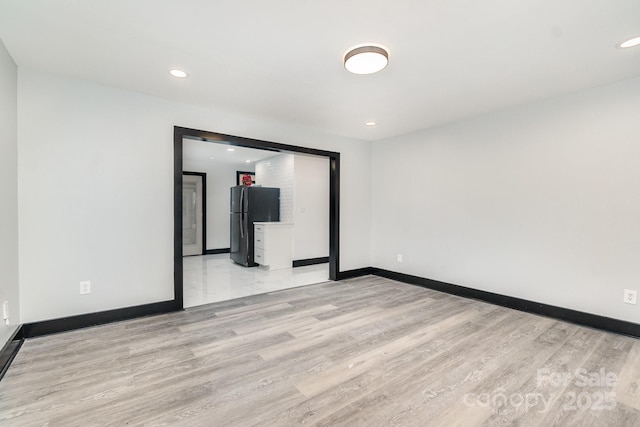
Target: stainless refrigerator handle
x=241, y=212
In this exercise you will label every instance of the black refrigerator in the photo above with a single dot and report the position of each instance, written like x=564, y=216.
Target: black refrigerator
x=249, y=205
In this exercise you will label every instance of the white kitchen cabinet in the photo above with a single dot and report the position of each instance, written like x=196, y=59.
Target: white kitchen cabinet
x=272, y=243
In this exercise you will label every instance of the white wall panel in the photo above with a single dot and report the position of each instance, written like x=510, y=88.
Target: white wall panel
x=9, y=287
x=311, y=207
x=537, y=202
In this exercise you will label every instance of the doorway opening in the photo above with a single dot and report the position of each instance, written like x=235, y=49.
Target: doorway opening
x=194, y=213
x=181, y=134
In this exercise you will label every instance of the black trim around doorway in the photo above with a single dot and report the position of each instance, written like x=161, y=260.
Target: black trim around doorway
x=180, y=133
x=204, y=207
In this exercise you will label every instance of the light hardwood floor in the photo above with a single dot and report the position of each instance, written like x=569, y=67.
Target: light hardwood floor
x=364, y=352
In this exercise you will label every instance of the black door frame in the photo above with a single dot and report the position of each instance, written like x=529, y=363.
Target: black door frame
x=204, y=207
x=179, y=133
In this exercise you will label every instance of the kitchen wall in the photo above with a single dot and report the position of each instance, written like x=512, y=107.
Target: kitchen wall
x=539, y=201
x=9, y=290
x=304, y=199
x=220, y=178
x=95, y=166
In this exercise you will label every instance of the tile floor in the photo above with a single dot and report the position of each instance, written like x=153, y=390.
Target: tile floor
x=212, y=278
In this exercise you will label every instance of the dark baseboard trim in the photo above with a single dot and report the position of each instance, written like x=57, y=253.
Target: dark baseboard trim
x=578, y=317
x=350, y=274
x=310, y=261
x=64, y=324
x=217, y=251
x=581, y=318
x=10, y=350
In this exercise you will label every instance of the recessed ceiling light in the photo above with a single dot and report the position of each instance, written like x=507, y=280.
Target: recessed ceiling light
x=212, y=158
x=178, y=73
x=631, y=42
x=231, y=149
x=371, y=123
x=247, y=161
x=366, y=59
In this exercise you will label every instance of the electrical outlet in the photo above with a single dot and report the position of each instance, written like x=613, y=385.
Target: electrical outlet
x=85, y=287
x=399, y=257
x=630, y=296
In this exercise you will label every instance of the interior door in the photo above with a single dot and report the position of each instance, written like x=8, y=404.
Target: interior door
x=192, y=215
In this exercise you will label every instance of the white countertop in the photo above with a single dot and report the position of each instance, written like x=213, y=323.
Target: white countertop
x=273, y=223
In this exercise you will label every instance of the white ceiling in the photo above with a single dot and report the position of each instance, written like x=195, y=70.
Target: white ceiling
x=282, y=59
x=219, y=153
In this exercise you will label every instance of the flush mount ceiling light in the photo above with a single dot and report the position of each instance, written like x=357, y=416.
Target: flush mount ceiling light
x=231, y=149
x=366, y=59
x=371, y=123
x=178, y=73
x=631, y=42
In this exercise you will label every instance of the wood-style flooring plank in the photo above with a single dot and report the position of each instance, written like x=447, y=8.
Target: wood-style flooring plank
x=362, y=352
x=446, y=368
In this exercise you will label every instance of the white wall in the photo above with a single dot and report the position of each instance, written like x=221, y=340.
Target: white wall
x=538, y=202
x=220, y=178
x=311, y=207
x=95, y=172
x=8, y=193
